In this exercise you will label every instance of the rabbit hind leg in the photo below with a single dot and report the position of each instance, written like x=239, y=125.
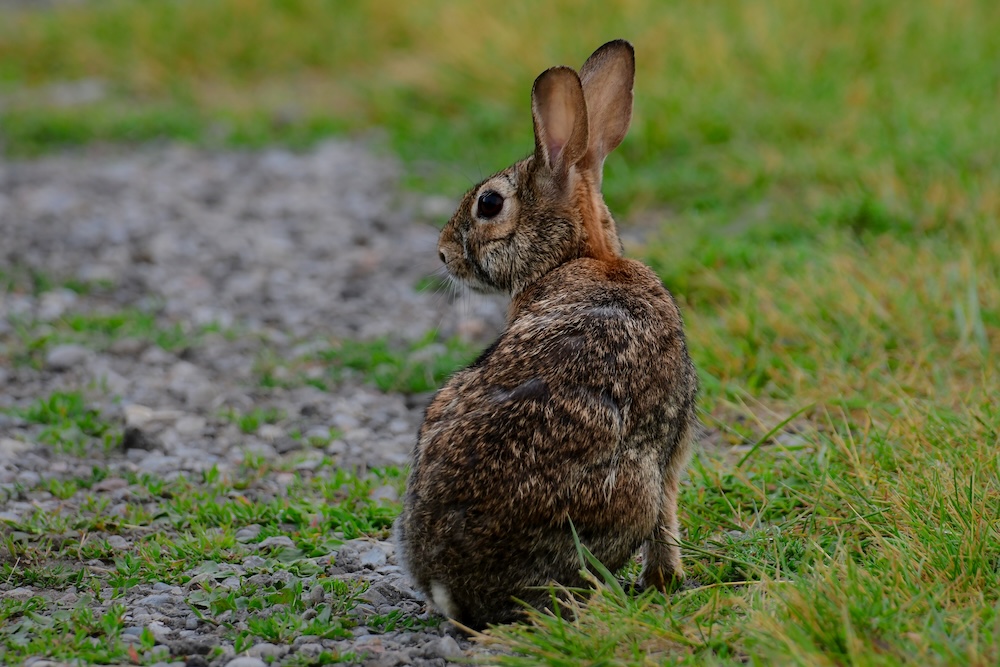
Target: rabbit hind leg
x=661, y=553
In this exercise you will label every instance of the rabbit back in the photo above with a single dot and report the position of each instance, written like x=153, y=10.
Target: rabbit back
x=575, y=415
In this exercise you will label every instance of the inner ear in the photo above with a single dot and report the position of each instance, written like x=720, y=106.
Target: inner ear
x=559, y=112
x=607, y=79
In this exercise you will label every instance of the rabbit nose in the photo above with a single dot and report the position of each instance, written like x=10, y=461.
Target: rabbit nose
x=444, y=257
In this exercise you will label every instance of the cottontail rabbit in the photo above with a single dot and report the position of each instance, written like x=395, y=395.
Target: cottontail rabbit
x=580, y=413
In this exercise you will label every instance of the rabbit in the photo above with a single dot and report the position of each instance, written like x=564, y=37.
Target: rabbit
x=579, y=415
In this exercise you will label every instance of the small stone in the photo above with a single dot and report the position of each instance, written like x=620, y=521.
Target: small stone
x=191, y=623
x=266, y=650
x=304, y=639
x=21, y=593
x=246, y=661
x=117, y=542
x=270, y=432
x=253, y=562
x=137, y=415
x=128, y=347
x=318, y=433
x=53, y=304
x=385, y=492
x=156, y=601
x=65, y=357
x=392, y=659
x=336, y=448
x=316, y=595
x=190, y=425
x=160, y=631
x=41, y=662
x=248, y=533
x=400, y=426
x=276, y=541
x=157, y=463
x=447, y=648
x=28, y=478
x=310, y=650
x=12, y=449
x=110, y=484
x=373, y=558
x=345, y=422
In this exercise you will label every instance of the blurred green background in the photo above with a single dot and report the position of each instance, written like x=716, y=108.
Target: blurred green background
x=819, y=182
x=783, y=101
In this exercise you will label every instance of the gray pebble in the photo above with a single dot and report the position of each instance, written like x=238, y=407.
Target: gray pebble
x=447, y=648
x=267, y=650
x=309, y=649
x=276, y=541
x=12, y=449
x=28, y=478
x=117, y=542
x=160, y=631
x=156, y=601
x=253, y=563
x=316, y=595
x=248, y=533
x=65, y=357
x=246, y=661
x=305, y=639
x=373, y=558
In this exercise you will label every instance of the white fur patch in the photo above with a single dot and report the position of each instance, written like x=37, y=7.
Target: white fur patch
x=442, y=599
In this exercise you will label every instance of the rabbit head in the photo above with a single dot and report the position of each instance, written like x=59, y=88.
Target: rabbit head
x=547, y=209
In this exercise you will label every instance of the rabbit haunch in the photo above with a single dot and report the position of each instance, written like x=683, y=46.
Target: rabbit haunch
x=579, y=415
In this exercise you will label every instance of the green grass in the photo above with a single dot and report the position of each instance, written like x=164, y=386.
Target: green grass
x=69, y=424
x=819, y=184
x=21, y=279
x=415, y=368
x=100, y=330
x=249, y=422
x=888, y=100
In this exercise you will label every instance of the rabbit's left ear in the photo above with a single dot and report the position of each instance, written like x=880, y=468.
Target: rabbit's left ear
x=607, y=78
x=559, y=112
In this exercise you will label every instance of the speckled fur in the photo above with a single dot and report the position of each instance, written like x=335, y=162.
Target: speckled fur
x=581, y=410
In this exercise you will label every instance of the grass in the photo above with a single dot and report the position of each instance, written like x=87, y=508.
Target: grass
x=819, y=184
x=251, y=421
x=414, y=368
x=99, y=330
x=69, y=424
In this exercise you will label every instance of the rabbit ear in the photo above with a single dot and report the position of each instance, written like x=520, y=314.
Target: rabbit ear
x=607, y=78
x=559, y=112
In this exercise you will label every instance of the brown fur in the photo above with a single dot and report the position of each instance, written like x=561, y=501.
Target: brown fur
x=581, y=410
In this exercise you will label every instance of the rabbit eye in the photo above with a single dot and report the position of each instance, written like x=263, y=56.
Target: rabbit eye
x=490, y=204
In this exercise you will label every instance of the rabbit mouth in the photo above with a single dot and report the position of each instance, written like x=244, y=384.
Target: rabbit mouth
x=466, y=271
x=473, y=282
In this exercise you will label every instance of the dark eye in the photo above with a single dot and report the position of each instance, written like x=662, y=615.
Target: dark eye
x=490, y=205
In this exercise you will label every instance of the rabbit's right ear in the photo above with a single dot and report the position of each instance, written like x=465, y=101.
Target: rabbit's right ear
x=559, y=112
x=607, y=78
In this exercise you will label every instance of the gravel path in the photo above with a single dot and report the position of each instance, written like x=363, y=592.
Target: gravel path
x=255, y=256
